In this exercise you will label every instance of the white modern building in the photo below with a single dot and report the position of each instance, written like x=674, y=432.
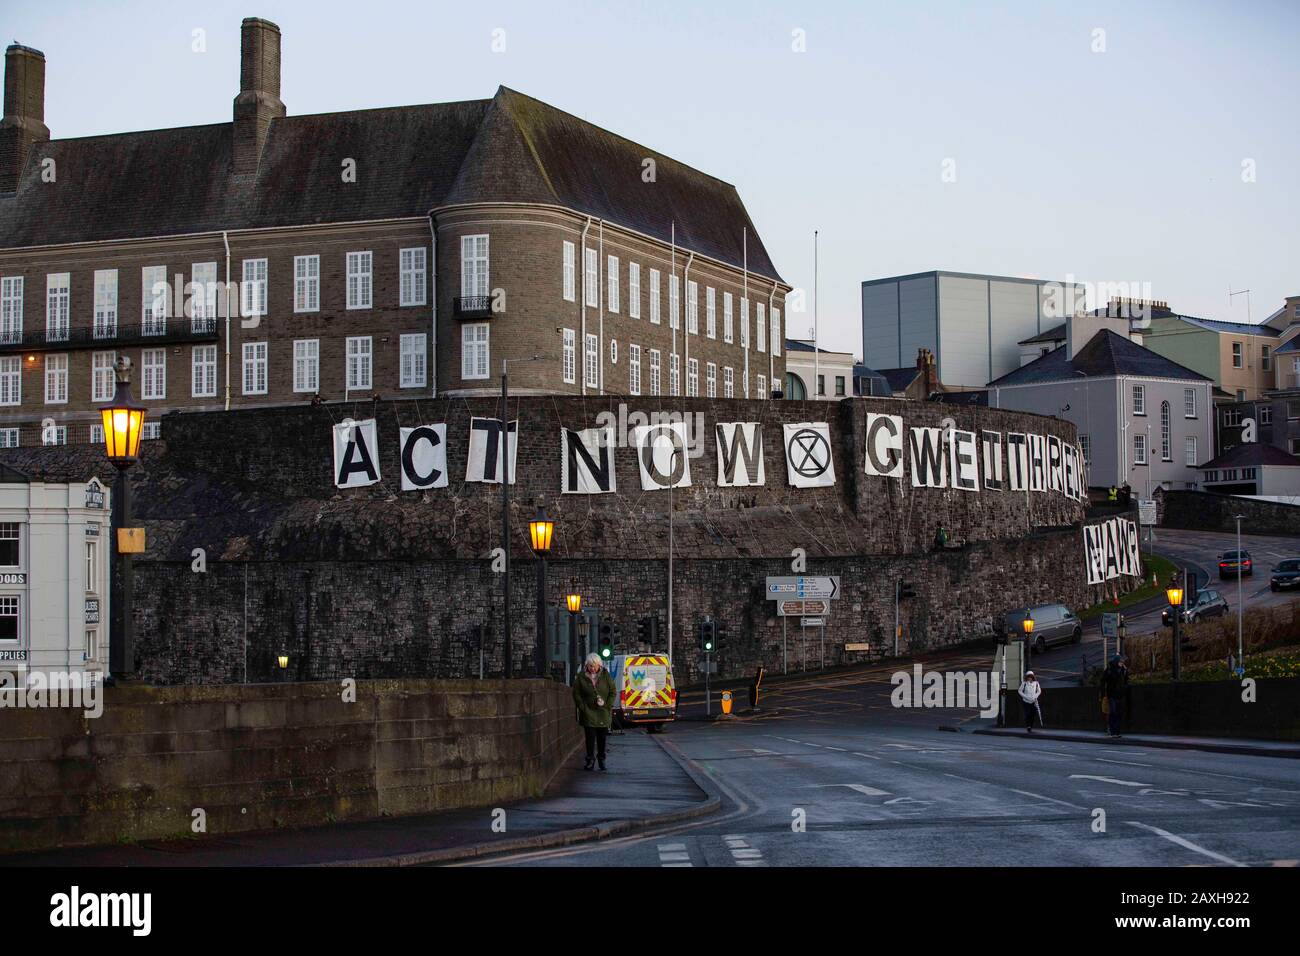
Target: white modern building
x=54, y=575
x=1143, y=420
x=973, y=324
x=812, y=372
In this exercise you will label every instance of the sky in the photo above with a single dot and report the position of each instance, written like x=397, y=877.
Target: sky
x=1156, y=144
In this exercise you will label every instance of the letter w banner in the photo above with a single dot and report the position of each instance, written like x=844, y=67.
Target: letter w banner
x=355, y=462
x=587, y=461
x=740, y=454
x=661, y=455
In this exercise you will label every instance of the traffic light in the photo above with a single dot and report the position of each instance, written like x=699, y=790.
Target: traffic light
x=643, y=630
x=605, y=646
x=906, y=589
x=720, y=632
x=707, y=635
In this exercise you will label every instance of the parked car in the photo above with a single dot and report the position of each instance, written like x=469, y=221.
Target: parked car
x=1053, y=624
x=1207, y=604
x=1234, y=563
x=1285, y=575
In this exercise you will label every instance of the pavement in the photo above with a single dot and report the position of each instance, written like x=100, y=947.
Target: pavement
x=1225, y=745
x=644, y=786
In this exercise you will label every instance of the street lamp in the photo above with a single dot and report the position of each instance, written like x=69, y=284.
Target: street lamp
x=1240, y=606
x=540, y=532
x=573, y=601
x=1174, y=593
x=123, y=420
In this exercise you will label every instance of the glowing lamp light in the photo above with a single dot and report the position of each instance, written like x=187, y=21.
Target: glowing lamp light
x=283, y=661
x=573, y=602
x=1028, y=624
x=540, y=531
x=1175, y=595
x=123, y=424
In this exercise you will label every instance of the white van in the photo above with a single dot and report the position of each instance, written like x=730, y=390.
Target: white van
x=646, y=694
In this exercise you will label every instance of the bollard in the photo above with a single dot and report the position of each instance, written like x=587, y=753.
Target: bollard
x=726, y=702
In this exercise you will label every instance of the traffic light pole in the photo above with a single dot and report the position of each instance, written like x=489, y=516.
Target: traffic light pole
x=708, y=699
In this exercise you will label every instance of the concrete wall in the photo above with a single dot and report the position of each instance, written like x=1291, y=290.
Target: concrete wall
x=1195, y=708
x=274, y=755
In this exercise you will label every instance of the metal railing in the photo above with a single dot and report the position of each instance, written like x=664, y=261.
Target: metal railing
x=171, y=331
x=472, y=306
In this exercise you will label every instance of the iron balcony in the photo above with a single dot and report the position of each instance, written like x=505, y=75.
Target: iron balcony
x=170, y=332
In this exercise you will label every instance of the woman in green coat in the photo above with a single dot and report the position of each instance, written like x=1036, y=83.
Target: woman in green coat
x=593, y=695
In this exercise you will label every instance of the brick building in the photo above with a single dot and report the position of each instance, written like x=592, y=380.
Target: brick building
x=402, y=252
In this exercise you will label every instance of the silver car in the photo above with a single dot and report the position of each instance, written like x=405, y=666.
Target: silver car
x=1053, y=624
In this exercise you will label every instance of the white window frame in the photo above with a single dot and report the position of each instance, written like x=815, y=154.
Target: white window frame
x=674, y=302
x=1139, y=399
x=1238, y=355
x=692, y=378
x=774, y=339
x=711, y=312
x=153, y=374
x=105, y=315
x=56, y=378
x=634, y=290
x=102, y=377
x=1166, y=432
x=413, y=360
x=306, y=284
x=569, y=357
x=360, y=363
x=590, y=277
x=711, y=380
x=475, y=351
x=1139, y=448
x=591, y=361
x=256, y=377
x=760, y=327
x=761, y=384
x=611, y=283
x=58, y=306
x=9, y=437
x=475, y=266
x=203, y=293
x=655, y=302
x=151, y=430
x=1189, y=451
x=11, y=309
x=744, y=331
x=634, y=369
x=11, y=379
x=153, y=305
x=728, y=382
x=252, y=299
x=92, y=562
x=692, y=307
x=1189, y=402
x=674, y=374
x=570, y=278
x=306, y=366
x=656, y=379
x=413, y=276
x=203, y=371
x=728, y=319
x=360, y=279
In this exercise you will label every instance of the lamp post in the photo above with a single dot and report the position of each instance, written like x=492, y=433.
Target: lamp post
x=507, y=475
x=1240, y=650
x=1028, y=625
x=123, y=421
x=282, y=661
x=1175, y=595
x=540, y=533
x=573, y=601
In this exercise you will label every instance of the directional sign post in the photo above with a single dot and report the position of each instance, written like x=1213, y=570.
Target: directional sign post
x=826, y=587
x=816, y=608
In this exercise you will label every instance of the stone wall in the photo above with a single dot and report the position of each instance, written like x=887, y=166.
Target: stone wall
x=1203, y=511
x=274, y=755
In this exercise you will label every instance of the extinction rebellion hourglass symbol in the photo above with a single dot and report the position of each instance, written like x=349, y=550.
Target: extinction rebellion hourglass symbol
x=809, y=453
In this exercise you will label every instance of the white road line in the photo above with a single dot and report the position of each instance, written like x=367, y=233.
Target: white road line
x=1039, y=796
x=1122, y=783
x=674, y=854
x=1186, y=844
x=839, y=749
x=858, y=753
x=1127, y=763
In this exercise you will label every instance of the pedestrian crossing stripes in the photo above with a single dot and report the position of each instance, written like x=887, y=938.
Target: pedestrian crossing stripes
x=742, y=852
x=674, y=854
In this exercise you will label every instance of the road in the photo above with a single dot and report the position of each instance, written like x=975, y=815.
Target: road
x=1196, y=550
x=880, y=786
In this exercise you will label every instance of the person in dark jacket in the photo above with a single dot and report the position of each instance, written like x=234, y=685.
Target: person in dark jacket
x=593, y=695
x=1114, y=687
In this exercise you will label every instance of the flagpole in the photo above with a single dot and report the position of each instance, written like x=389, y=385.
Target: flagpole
x=670, y=483
x=816, y=350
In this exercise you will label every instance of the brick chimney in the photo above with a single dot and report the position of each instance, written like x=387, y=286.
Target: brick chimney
x=258, y=101
x=24, y=116
x=930, y=375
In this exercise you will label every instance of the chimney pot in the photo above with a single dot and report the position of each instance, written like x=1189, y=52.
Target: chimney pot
x=258, y=102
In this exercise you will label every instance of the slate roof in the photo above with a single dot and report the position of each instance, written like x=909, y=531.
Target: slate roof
x=1290, y=345
x=410, y=160
x=867, y=381
x=1252, y=455
x=1105, y=354
x=1056, y=334
x=899, y=378
x=1236, y=328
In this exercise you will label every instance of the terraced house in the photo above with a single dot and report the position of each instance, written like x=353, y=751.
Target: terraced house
x=385, y=252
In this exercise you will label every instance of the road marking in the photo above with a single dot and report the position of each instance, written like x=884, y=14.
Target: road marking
x=1186, y=844
x=1039, y=796
x=742, y=852
x=674, y=854
x=1127, y=763
x=859, y=787
x=858, y=753
x=1122, y=783
x=839, y=749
